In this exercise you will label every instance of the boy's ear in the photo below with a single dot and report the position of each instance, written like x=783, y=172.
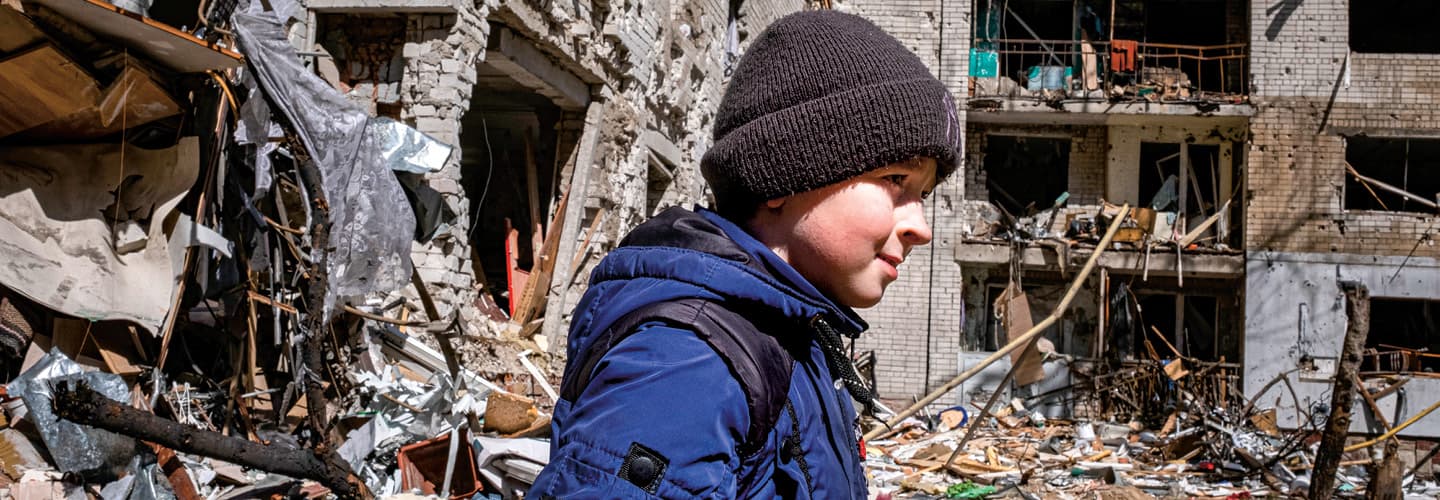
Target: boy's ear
x=776, y=203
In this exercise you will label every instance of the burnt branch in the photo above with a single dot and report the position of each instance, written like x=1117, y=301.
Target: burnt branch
x=81, y=404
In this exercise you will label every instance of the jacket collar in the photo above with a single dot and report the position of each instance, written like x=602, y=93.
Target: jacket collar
x=687, y=246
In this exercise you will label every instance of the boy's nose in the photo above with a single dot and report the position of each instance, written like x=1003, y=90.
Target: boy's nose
x=912, y=228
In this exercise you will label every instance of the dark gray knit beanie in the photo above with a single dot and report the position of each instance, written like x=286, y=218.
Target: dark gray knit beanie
x=820, y=97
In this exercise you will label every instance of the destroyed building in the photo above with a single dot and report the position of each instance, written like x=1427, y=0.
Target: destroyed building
x=1272, y=151
x=182, y=229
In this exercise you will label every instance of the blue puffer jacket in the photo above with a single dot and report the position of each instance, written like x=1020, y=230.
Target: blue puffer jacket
x=668, y=391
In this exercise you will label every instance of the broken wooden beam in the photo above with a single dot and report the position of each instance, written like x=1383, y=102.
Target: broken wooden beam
x=81, y=404
x=1017, y=342
x=1337, y=427
x=1367, y=181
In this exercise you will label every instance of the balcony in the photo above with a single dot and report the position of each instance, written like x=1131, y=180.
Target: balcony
x=1108, y=77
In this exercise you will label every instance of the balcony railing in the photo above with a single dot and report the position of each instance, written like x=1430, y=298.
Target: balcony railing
x=1109, y=70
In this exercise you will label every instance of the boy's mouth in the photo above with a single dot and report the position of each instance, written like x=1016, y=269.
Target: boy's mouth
x=894, y=263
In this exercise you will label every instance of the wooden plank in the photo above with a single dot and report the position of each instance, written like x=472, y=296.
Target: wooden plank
x=133, y=99
x=532, y=193
x=533, y=301
x=579, y=257
x=112, y=340
x=17, y=31
x=158, y=41
x=41, y=85
x=516, y=278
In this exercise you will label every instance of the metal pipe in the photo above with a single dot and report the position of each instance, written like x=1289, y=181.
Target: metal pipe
x=1019, y=341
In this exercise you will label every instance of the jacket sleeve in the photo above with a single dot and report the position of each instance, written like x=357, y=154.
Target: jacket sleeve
x=661, y=401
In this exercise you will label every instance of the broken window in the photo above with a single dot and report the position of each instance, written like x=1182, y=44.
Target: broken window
x=1182, y=181
x=1394, y=26
x=1404, y=336
x=1026, y=174
x=1394, y=174
x=518, y=141
x=367, y=57
x=1038, y=297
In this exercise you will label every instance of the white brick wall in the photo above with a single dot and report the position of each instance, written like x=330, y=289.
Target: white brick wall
x=916, y=329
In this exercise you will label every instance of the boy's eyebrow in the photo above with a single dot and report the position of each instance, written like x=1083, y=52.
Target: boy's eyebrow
x=913, y=165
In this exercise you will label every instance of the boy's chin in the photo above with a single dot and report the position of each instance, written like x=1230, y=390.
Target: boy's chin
x=862, y=300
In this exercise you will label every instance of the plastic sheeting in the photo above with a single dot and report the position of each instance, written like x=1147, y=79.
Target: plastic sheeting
x=371, y=221
x=75, y=447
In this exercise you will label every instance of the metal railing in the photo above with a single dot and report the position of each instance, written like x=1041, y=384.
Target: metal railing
x=1136, y=70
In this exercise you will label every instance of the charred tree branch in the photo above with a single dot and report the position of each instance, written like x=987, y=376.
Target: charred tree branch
x=1337, y=427
x=81, y=404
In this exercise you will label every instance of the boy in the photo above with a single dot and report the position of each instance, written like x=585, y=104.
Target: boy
x=706, y=357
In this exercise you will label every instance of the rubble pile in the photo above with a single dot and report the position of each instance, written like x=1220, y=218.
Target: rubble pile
x=1171, y=428
x=202, y=245
x=1199, y=451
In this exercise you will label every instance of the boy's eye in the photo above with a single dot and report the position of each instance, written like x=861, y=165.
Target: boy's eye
x=896, y=179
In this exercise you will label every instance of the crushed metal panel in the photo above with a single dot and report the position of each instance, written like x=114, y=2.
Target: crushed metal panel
x=57, y=246
x=158, y=41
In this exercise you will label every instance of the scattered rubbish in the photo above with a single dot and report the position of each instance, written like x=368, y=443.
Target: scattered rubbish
x=74, y=447
x=194, y=254
x=968, y=489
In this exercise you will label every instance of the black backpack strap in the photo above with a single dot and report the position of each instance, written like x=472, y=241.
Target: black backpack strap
x=757, y=360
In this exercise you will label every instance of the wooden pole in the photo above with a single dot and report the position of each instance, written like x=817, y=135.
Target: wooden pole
x=1337, y=427
x=1016, y=342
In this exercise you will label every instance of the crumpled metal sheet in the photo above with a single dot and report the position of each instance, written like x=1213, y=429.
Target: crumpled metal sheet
x=409, y=150
x=75, y=448
x=255, y=128
x=371, y=221
x=58, y=248
x=371, y=448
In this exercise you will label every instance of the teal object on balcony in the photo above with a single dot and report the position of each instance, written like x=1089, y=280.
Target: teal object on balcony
x=984, y=63
x=1047, y=78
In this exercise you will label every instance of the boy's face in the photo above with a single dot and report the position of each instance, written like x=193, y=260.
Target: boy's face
x=849, y=238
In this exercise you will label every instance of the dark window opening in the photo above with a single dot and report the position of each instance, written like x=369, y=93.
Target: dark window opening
x=1160, y=175
x=1025, y=175
x=182, y=14
x=1190, y=22
x=1191, y=323
x=1404, y=336
x=509, y=167
x=1410, y=165
x=1394, y=26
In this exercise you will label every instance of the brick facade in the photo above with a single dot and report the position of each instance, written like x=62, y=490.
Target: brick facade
x=916, y=330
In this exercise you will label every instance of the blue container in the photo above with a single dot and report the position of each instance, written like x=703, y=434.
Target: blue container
x=1047, y=78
